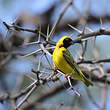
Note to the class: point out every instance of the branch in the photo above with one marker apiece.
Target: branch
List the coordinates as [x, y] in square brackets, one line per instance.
[92, 34]
[18, 28]
[69, 2]
[105, 60]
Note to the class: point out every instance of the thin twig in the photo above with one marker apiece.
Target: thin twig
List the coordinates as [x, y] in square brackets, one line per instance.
[92, 34]
[105, 60]
[26, 97]
[18, 28]
[69, 2]
[91, 99]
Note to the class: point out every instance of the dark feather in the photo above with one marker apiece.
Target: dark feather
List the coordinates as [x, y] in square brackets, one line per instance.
[71, 62]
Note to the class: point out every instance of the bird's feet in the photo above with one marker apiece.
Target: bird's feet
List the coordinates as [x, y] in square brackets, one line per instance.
[55, 70]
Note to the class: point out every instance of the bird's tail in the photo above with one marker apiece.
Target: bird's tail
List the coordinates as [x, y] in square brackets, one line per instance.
[86, 81]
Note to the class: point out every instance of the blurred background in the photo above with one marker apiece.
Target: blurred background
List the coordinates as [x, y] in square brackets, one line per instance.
[30, 14]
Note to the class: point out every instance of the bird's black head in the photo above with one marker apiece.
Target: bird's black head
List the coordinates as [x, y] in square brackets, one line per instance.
[67, 42]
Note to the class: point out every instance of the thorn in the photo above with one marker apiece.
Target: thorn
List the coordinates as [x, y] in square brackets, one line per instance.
[48, 29]
[75, 29]
[72, 88]
[101, 23]
[6, 25]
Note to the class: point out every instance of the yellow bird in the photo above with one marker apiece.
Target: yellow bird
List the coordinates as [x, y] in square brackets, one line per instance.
[64, 61]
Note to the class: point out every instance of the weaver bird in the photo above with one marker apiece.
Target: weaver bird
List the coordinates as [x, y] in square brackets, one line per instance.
[64, 61]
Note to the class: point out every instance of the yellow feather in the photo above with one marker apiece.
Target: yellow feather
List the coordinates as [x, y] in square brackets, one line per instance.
[64, 61]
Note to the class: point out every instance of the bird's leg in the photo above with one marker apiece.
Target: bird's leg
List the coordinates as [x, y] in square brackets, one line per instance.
[55, 70]
[69, 81]
[56, 73]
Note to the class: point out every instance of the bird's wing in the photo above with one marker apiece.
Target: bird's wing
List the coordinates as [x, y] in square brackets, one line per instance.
[78, 73]
[68, 57]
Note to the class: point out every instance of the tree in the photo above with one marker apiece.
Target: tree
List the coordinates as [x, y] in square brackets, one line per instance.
[42, 37]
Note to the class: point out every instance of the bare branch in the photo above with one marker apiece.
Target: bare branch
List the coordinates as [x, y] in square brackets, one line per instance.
[69, 2]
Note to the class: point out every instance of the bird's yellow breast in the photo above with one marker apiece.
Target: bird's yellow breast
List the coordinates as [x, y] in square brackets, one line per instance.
[60, 61]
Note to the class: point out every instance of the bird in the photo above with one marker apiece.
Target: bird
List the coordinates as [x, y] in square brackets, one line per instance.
[64, 61]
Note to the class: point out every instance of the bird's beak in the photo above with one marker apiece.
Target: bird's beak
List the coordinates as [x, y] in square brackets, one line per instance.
[71, 42]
